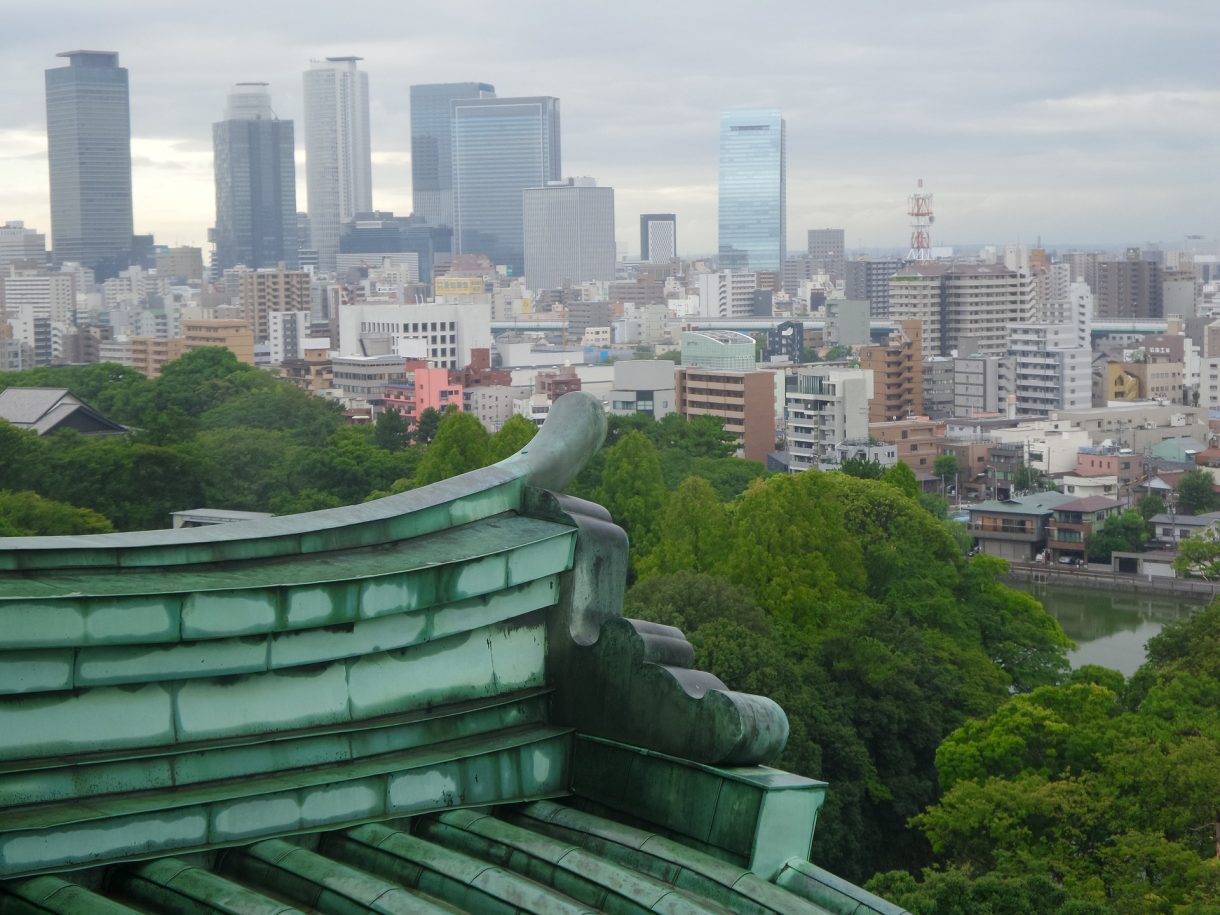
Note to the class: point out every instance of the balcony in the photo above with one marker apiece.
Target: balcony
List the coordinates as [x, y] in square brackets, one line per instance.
[1017, 532]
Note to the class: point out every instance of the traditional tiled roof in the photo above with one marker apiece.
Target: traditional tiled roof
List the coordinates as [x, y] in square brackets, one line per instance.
[301, 711]
[44, 410]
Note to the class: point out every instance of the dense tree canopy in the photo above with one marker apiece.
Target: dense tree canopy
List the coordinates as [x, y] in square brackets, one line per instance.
[1197, 492]
[1109, 789]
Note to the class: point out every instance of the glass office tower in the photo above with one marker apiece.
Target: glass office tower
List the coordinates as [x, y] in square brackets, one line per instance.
[753, 190]
[501, 146]
[89, 153]
[432, 147]
[256, 186]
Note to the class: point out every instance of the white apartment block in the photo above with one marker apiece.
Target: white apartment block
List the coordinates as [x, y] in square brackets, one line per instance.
[287, 332]
[964, 308]
[825, 406]
[40, 294]
[981, 384]
[1050, 371]
[727, 294]
[442, 334]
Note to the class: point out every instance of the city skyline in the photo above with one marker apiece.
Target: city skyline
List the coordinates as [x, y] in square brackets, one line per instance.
[1020, 131]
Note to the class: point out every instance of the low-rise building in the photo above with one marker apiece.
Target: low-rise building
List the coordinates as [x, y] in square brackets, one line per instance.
[919, 440]
[644, 386]
[1015, 528]
[744, 401]
[1072, 526]
[425, 388]
[149, 355]
[233, 335]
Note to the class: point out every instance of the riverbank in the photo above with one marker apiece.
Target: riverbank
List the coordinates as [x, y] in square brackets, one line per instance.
[1100, 576]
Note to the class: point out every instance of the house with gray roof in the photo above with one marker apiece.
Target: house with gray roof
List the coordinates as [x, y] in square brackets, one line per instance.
[47, 410]
[1015, 528]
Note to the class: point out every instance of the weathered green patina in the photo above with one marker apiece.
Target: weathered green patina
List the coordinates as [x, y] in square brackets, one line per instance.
[252, 710]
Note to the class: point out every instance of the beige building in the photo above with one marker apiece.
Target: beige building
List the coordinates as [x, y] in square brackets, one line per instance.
[235, 336]
[919, 440]
[261, 292]
[745, 401]
[183, 262]
[963, 307]
[149, 354]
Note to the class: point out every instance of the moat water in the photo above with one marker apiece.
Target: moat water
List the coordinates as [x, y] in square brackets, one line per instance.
[1111, 628]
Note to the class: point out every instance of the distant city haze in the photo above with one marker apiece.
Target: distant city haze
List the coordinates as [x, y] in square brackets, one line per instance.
[1088, 123]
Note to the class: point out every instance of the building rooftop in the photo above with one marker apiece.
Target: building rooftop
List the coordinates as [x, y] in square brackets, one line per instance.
[45, 410]
[1038, 503]
[1088, 504]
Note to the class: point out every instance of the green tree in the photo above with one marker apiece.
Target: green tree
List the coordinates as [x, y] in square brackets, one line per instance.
[1125, 532]
[392, 432]
[515, 434]
[633, 491]
[1199, 554]
[1027, 479]
[1197, 492]
[862, 469]
[791, 549]
[427, 425]
[902, 478]
[945, 465]
[461, 445]
[26, 514]
[1149, 506]
[694, 532]
[277, 407]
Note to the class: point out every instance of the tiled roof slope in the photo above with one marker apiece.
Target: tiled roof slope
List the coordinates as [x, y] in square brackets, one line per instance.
[167, 697]
[540, 857]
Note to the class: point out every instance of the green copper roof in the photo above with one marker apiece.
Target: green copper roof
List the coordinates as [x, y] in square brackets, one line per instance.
[300, 713]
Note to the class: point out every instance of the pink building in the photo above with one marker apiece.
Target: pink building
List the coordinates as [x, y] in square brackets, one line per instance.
[1108, 462]
[425, 387]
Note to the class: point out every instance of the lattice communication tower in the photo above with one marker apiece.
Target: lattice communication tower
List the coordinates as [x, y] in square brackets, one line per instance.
[919, 208]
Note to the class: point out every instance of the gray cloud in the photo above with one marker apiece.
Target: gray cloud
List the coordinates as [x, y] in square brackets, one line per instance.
[1082, 121]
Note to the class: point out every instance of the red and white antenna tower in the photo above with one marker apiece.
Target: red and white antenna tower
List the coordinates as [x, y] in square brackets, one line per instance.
[919, 208]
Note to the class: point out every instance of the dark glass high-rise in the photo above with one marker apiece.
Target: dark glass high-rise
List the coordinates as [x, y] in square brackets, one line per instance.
[501, 146]
[432, 147]
[256, 194]
[89, 155]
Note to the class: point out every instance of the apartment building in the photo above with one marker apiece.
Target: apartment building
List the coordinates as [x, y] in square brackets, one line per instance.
[825, 406]
[744, 401]
[897, 367]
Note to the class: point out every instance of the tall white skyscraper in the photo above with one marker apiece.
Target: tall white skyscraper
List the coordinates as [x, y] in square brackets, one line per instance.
[338, 156]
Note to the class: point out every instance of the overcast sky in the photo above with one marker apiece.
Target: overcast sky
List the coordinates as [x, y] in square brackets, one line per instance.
[1073, 120]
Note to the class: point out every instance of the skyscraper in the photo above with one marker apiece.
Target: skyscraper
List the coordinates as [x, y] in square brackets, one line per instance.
[658, 237]
[569, 233]
[89, 153]
[826, 251]
[753, 190]
[338, 157]
[256, 195]
[501, 146]
[432, 146]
